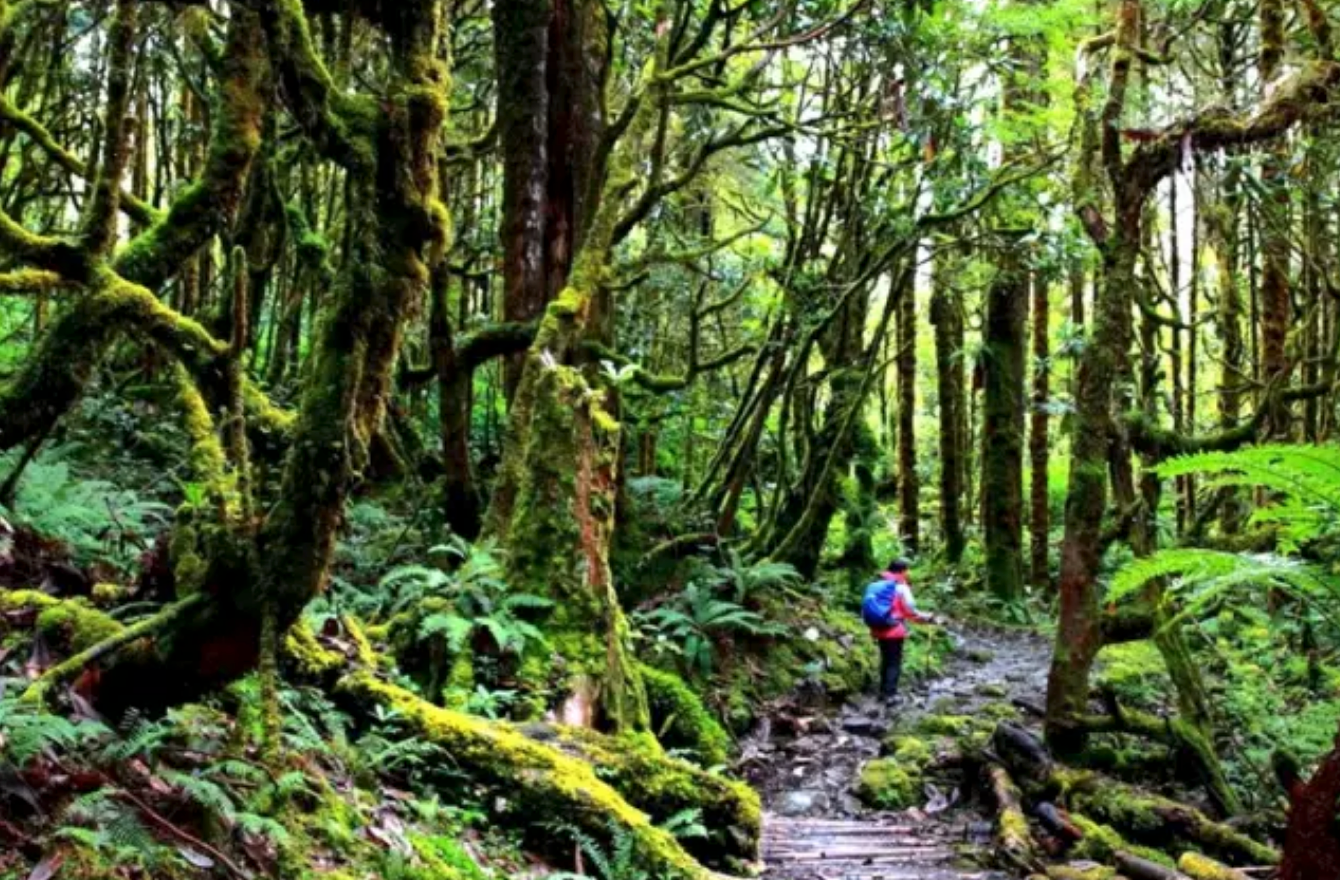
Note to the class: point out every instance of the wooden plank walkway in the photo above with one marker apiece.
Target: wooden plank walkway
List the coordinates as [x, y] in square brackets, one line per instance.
[877, 848]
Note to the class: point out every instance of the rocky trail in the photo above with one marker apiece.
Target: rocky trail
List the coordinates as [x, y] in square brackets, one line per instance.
[806, 767]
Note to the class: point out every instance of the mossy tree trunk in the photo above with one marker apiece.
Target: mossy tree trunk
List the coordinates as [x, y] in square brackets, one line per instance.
[1039, 438]
[1275, 232]
[909, 481]
[1003, 407]
[946, 315]
[550, 58]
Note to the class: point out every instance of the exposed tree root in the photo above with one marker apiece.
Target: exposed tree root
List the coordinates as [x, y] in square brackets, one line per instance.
[538, 783]
[74, 665]
[1014, 840]
[1121, 809]
[1199, 867]
[637, 768]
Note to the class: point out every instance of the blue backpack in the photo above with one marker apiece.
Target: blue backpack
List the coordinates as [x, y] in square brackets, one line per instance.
[877, 606]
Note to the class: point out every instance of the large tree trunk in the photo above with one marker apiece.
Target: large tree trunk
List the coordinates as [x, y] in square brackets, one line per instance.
[522, 56]
[1003, 428]
[1102, 365]
[343, 401]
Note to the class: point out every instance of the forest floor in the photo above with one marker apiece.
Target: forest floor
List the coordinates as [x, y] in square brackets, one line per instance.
[806, 767]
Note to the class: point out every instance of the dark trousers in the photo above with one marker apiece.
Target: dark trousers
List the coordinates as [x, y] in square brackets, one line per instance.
[890, 666]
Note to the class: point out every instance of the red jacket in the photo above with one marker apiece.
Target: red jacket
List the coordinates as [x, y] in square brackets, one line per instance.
[904, 608]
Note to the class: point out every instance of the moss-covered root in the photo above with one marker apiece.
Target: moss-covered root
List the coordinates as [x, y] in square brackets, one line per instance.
[1084, 871]
[539, 783]
[1014, 839]
[680, 719]
[1159, 821]
[1199, 867]
[120, 639]
[637, 767]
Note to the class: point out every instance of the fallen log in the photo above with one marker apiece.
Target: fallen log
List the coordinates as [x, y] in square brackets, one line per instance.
[1145, 818]
[534, 784]
[1014, 840]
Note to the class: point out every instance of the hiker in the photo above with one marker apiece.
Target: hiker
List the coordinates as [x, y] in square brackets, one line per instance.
[887, 608]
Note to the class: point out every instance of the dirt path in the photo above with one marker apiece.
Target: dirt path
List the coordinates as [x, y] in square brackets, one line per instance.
[805, 767]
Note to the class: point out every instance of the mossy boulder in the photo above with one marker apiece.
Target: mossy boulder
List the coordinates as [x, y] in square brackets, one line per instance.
[70, 624]
[886, 784]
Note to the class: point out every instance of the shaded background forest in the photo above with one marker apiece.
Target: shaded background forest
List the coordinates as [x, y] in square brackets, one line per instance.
[583, 361]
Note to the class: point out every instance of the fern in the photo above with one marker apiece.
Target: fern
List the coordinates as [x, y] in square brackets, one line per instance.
[264, 826]
[1309, 477]
[26, 731]
[209, 795]
[1307, 481]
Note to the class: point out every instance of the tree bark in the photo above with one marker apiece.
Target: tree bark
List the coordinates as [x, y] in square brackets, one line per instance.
[1003, 343]
[1039, 439]
[909, 486]
[946, 315]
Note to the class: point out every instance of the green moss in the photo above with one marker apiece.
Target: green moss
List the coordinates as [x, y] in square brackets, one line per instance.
[26, 600]
[76, 624]
[993, 689]
[680, 719]
[539, 783]
[106, 595]
[1101, 842]
[945, 725]
[910, 751]
[1135, 672]
[1202, 867]
[663, 786]
[886, 784]
[302, 653]
[1081, 872]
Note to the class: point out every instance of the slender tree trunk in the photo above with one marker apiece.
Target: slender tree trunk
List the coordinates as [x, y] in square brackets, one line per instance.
[1220, 228]
[946, 314]
[1038, 439]
[909, 486]
[1276, 307]
[1102, 365]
